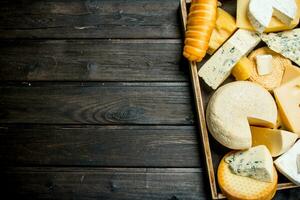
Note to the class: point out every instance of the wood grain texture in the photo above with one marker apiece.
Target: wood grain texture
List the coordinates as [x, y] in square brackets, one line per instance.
[92, 60]
[147, 146]
[89, 19]
[111, 183]
[96, 103]
[105, 183]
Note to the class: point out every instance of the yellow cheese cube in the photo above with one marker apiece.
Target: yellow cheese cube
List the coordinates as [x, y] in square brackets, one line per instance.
[275, 25]
[242, 70]
[288, 100]
[225, 26]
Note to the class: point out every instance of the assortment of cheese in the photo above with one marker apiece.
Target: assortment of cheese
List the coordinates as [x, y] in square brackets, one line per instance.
[258, 114]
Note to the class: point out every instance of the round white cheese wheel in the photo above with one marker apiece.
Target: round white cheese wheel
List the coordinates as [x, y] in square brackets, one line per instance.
[236, 105]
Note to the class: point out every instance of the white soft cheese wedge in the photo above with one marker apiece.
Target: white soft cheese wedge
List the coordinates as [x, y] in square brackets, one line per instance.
[255, 163]
[233, 106]
[285, 10]
[219, 66]
[287, 164]
[277, 141]
[286, 43]
[260, 14]
[264, 64]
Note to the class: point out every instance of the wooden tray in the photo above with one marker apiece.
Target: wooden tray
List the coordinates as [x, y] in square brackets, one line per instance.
[213, 150]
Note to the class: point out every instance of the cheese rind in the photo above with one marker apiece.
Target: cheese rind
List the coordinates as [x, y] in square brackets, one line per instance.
[256, 163]
[244, 188]
[277, 141]
[287, 98]
[286, 43]
[264, 64]
[260, 14]
[287, 164]
[219, 66]
[285, 10]
[275, 25]
[233, 106]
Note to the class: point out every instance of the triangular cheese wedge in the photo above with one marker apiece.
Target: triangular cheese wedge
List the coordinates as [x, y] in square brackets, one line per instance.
[291, 72]
[285, 10]
[277, 141]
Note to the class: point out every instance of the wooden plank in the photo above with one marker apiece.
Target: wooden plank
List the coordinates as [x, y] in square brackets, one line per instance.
[147, 146]
[107, 183]
[111, 183]
[92, 60]
[96, 103]
[89, 19]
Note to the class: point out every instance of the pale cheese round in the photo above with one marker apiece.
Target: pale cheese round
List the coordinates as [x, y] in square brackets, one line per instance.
[236, 187]
[235, 105]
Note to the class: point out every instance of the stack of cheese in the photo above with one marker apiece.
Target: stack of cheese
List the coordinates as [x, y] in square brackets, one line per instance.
[258, 116]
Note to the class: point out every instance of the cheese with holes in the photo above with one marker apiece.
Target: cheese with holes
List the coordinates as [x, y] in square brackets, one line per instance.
[277, 141]
[233, 106]
[288, 100]
[285, 10]
[219, 66]
[275, 25]
[286, 43]
[236, 187]
[260, 14]
[256, 163]
[264, 64]
[287, 164]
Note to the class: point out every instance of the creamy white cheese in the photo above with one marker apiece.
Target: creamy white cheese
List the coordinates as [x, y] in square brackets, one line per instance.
[260, 14]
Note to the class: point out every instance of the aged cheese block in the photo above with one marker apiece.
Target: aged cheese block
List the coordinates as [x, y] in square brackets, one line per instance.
[288, 97]
[237, 187]
[256, 163]
[219, 66]
[277, 141]
[286, 43]
[291, 72]
[233, 106]
[287, 164]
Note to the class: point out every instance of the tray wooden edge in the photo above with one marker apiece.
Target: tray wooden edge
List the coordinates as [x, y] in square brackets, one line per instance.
[202, 121]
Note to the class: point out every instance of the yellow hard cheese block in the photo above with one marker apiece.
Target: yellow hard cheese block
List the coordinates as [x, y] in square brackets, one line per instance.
[277, 141]
[291, 72]
[288, 100]
[225, 26]
[275, 25]
[244, 188]
[242, 70]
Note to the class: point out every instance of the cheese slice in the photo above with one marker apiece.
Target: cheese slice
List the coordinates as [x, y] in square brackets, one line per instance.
[219, 66]
[288, 100]
[244, 188]
[264, 64]
[277, 141]
[275, 25]
[287, 164]
[233, 106]
[255, 162]
[285, 10]
[291, 72]
[260, 14]
[286, 43]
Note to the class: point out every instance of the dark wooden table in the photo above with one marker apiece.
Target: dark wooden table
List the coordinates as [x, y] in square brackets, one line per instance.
[96, 103]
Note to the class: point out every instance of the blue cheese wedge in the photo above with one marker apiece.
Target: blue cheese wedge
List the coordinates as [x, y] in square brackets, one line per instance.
[286, 43]
[255, 163]
[285, 10]
[287, 164]
[260, 14]
[219, 66]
